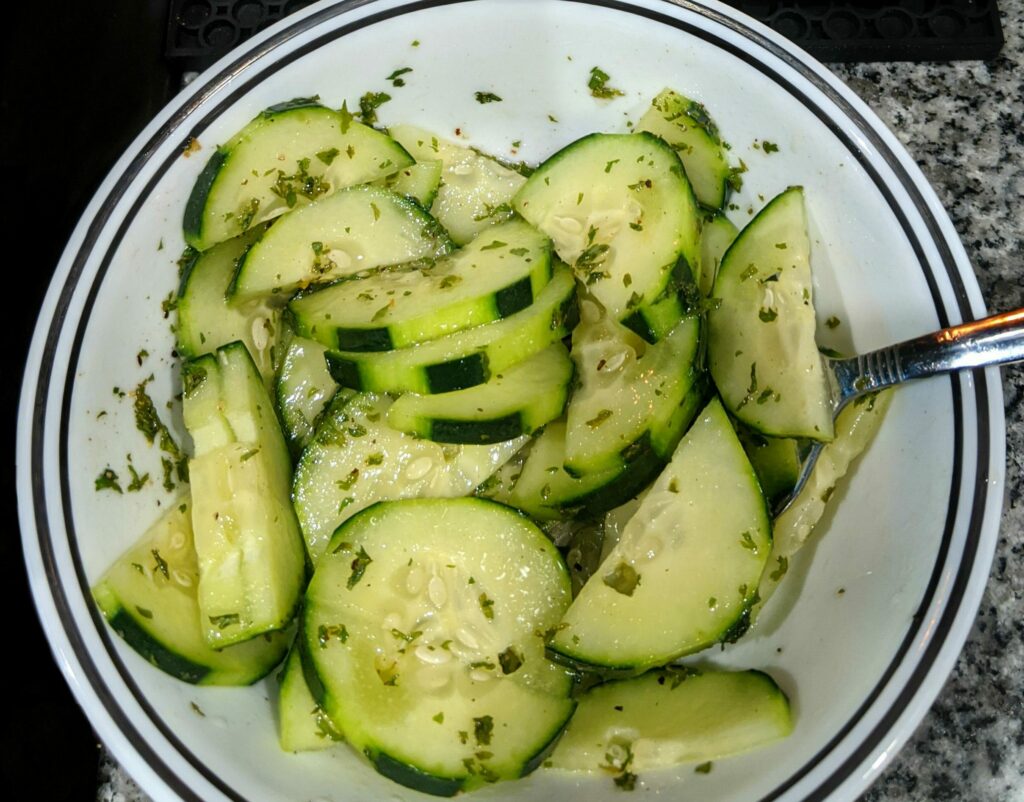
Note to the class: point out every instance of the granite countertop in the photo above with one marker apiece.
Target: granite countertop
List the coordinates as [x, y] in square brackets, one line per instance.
[964, 124]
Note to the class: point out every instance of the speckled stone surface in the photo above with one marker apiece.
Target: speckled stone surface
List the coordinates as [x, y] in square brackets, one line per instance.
[964, 124]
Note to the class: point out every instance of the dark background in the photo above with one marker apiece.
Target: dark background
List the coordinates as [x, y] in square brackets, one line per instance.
[78, 81]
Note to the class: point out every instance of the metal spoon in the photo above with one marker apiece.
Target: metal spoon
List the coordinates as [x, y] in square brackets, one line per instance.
[993, 340]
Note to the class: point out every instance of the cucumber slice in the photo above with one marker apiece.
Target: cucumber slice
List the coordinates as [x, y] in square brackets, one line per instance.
[516, 402]
[251, 563]
[356, 459]
[304, 389]
[148, 597]
[775, 460]
[761, 347]
[206, 321]
[855, 427]
[421, 626]
[672, 716]
[544, 489]
[358, 229]
[419, 182]
[629, 391]
[475, 189]
[288, 155]
[493, 277]
[303, 726]
[469, 357]
[620, 211]
[685, 571]
[716, 235]
[688, 128]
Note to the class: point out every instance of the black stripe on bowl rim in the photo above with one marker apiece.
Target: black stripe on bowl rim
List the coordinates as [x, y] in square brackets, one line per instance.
[174, 128]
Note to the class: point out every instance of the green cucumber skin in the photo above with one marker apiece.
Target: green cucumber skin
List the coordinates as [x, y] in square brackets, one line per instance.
[397, 770]
[504, 303]
[523, 417]
[459, 373]
[412, 777]
[635, 476]
[196, 204]
[168, 661]
[731, 632]
[496, 430]
[679, 298]
[362, 340]
[514, 298]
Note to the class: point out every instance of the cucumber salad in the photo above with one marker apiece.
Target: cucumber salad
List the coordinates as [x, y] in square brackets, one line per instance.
[479, 451]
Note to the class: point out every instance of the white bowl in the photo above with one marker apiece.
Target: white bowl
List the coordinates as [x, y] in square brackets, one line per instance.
[912, 534]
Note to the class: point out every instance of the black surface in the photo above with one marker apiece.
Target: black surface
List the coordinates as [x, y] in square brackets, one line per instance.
[201, 31]
[884, 30]
[77, 83]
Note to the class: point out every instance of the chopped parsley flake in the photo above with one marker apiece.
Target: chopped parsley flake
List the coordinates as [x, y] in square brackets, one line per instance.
[327, 156]
[396, 77]
[359, 564]
[348, 481]
[108, 481]
[598, 85]
[486, 97]
[483, 728]
[622, 579]
[767, 315]
[160, 564]
[735, 177]
[325, 632]
[769, 147]
[346, 118]
[626, 781]
[703, 768]
[599, 418]
[368, 105]
[510, 660]
[487, 606]
[832, 322]
[138, 482]
[780, 572]
[224, 621]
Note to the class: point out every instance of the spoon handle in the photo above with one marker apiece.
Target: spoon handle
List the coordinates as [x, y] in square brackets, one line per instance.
[993, 340]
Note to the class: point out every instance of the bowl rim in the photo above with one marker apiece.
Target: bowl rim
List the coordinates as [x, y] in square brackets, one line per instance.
[950, 601]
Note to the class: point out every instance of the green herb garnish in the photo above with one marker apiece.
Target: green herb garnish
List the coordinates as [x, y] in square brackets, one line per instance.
[598, 85]
[108, 481]
[368, 105]
[622, 579]
[510, 660]
[483, 729]
[395, 77]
